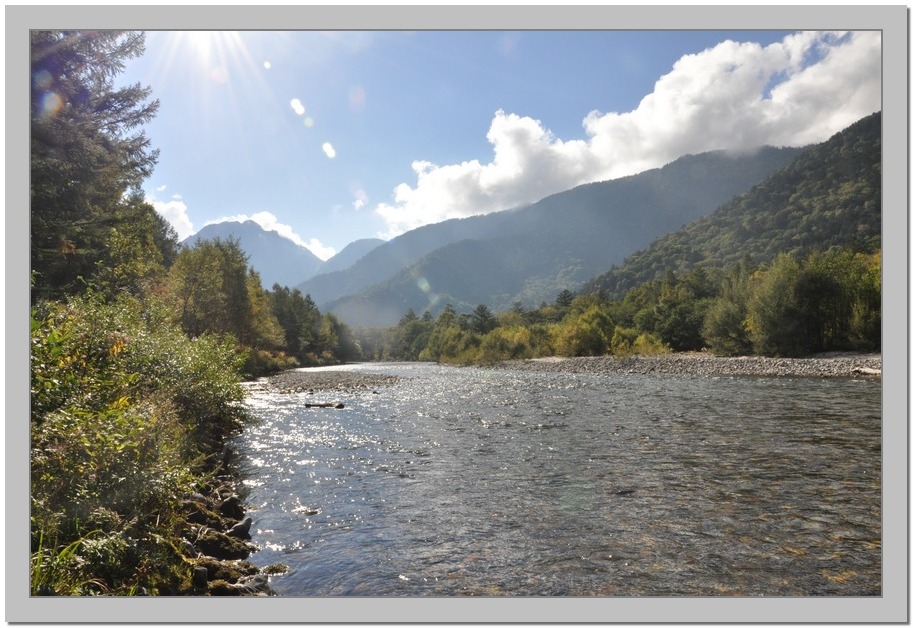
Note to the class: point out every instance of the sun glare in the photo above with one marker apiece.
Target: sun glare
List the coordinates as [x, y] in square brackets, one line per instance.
[210, 48]
[201, 42]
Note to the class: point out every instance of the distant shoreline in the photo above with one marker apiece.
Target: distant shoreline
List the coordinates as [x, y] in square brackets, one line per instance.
[846, 365]
[831, 365]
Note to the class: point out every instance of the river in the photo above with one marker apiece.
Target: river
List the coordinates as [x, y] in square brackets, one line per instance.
[466, 481]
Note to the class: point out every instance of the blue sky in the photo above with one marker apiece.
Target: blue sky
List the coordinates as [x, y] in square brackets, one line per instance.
[329, 137]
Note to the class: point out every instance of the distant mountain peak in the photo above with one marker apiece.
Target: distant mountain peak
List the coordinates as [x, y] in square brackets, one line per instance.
[278, 259]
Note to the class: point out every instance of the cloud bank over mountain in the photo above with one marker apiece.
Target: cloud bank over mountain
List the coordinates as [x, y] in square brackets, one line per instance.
[270, 222]
[733, 96]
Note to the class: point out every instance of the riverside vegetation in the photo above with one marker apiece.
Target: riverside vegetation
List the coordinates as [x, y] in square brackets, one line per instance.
[140, 347]
[791, 307]
[138, 350]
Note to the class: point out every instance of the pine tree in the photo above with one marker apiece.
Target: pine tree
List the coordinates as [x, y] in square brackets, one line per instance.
[88, 152]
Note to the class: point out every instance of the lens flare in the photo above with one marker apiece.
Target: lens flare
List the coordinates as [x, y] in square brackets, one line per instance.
[43, 79]
[219, 75]
[357, 98]
[423, 285]
[51, 104]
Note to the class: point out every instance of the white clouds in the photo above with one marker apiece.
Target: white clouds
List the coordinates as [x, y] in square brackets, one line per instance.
[328, 150]
[175, 212]
[270, 222]
[736, 95]
[317, 248]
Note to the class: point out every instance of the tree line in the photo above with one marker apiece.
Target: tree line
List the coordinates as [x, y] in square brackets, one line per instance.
[827, 301]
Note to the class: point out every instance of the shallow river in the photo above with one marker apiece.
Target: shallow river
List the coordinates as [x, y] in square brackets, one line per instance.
[464, 481]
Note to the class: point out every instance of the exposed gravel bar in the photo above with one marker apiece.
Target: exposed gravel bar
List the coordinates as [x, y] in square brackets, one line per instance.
[852, 365]
[308, 381]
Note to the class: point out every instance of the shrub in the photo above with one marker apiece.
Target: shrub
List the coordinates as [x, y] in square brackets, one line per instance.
[125, 411]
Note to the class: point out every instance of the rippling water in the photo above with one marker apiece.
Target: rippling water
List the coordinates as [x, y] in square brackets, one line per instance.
[463, 481]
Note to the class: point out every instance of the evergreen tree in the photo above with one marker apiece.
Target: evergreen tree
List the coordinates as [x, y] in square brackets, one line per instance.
[87, 152]
[482, 320]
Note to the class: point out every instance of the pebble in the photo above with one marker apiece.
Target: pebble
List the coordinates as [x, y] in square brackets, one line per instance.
[306, 381]
[851, 365]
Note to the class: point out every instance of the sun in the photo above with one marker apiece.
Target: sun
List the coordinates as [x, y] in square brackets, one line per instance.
[208, 46]
[200, 42]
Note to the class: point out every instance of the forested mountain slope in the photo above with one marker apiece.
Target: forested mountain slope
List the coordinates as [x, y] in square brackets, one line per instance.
[532, 253]
[829, 196]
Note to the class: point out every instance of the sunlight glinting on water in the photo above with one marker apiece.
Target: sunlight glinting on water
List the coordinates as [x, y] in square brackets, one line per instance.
[473, 482]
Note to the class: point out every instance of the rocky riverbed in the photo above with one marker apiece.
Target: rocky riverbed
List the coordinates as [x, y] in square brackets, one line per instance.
[309, 381]
[852, 365]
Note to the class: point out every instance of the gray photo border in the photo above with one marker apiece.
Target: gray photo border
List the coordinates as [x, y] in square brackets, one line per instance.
[891, 607]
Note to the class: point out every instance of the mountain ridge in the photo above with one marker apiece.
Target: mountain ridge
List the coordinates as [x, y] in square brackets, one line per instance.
[829, 196]
[276, 259]
[532, 253]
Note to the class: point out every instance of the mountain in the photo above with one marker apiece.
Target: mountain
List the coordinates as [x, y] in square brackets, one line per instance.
[352, 252]
[829, 196]
[276, 258]
[532, 253]
[389, 258]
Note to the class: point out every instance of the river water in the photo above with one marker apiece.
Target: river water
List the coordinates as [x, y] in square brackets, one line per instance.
[464, 481]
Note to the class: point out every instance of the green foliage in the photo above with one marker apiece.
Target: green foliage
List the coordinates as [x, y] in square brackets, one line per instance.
[126, 410]
[482, 320]
[505, 343]
[299, 319]
[336, 340]
[211, 290]
[623, 339]
[208, 290]
[648, 344]
[829, 301]
[724, 328]
[87, 154]
[409, 337]
[586, 330]
[451, 340]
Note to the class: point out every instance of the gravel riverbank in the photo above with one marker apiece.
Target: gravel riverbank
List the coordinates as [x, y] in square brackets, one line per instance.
[852, 365]
[849, 365]
[310, 381]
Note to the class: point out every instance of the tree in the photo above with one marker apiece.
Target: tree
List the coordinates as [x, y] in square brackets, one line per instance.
[266, 332]
[482, 320]
[773, 315]
[300, 321]
[564, 299]
[138, 251]
[584, 331]
[336, 340]
[87, 152]
[208, 290]
[724, 329]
